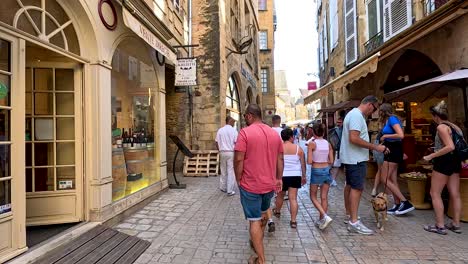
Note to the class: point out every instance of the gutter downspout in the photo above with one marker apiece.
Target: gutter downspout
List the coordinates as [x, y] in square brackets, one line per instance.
[189, 90]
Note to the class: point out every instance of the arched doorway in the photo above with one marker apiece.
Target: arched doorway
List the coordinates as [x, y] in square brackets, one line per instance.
[412, 67]
[232, 99]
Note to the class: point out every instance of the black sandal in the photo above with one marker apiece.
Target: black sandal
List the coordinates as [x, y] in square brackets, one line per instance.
[436, 229]
[293, 224]
[453, 228]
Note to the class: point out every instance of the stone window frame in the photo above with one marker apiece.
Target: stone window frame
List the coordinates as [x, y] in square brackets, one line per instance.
[263, 39]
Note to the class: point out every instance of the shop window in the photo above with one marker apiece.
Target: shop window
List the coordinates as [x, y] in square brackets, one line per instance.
[134, 119]
[232, 100]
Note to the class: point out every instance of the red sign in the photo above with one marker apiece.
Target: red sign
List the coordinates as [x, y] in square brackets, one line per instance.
[312, 86]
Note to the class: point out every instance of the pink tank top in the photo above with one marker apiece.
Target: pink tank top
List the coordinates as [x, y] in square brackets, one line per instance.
[320, 153]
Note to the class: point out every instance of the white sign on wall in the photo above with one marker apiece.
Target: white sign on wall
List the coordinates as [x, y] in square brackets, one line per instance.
[186, 72]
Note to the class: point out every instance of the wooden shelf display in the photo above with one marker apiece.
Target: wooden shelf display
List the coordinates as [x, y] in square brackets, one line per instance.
[203, 164]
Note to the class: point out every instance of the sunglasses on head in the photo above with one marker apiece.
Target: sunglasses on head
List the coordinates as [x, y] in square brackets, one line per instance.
[374, 107]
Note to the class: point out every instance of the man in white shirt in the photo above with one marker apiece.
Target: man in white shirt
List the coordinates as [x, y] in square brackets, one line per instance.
[354, 154]
[225, 142]
[276, 124]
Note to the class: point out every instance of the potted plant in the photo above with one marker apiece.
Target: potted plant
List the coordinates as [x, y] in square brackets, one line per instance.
[417, 188]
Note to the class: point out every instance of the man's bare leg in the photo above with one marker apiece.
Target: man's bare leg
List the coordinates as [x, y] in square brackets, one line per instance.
[256, 235]
[347, 190]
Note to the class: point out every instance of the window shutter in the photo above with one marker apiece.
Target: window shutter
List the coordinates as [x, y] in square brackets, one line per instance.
[397, 17]
[333, 18]
[325, 38]
[350, 31]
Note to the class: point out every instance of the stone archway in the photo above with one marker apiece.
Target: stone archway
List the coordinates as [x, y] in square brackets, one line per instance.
[410, 68]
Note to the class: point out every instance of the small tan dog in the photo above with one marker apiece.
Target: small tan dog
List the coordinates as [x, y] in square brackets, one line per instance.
[379, 203]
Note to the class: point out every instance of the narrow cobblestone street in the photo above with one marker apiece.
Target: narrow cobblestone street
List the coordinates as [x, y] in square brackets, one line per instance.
[203, 225]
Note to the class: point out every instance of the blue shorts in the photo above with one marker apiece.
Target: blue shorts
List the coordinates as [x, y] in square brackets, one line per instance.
[356, 175]
[319, 176]
[255, 204]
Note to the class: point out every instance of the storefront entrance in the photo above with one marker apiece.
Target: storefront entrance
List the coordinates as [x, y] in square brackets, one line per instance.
[53, 134]
[41, 156]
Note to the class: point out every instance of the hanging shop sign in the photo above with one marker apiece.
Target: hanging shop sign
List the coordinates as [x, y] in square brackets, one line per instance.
[312, 86]
[186, 72]
[141, 30]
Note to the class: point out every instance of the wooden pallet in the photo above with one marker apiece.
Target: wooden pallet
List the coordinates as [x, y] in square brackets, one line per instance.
[204, 163]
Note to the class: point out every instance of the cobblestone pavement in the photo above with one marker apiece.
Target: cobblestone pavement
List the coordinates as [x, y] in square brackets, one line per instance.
[203, 225]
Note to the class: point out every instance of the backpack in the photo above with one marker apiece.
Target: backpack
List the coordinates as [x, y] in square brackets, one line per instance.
[461, 147]
[334, 139]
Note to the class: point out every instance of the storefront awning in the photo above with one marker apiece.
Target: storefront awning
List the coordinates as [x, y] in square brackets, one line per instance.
[434, 87]
[340, 106]
[354, 74]
[143, 32]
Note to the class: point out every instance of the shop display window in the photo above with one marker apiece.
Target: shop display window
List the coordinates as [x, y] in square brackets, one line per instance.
[134, 119]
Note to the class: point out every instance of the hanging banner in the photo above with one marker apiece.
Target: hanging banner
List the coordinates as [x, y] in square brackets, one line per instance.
[141, 30]
[312, 86]
[186, 72]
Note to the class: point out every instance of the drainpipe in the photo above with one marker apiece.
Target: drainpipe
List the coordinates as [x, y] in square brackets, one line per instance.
[189, 90]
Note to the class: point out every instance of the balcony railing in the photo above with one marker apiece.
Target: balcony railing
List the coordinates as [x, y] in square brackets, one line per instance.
[431, 5]
[374, 43]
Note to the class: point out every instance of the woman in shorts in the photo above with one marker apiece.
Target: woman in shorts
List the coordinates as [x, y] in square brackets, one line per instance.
[392, 136]
[293, 175]
[446, 171]
[320, 156]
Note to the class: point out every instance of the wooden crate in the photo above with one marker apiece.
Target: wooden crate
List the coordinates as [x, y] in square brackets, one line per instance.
[204, 163]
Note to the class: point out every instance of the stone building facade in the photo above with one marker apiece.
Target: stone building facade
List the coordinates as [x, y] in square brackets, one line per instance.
[389, 45]
[267, 18]
[226, 33]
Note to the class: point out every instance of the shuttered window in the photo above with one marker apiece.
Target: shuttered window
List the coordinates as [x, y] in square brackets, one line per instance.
[333, 27]
[350, 31]
[373, 18]
[397, 17]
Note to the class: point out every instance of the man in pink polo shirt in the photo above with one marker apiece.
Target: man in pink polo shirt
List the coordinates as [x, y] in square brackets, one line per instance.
[258, 165]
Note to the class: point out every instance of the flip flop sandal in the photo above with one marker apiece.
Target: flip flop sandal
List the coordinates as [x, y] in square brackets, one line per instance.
[293, 224]
[436, 229]
[253, 260]
[453, 228]
[276, 213]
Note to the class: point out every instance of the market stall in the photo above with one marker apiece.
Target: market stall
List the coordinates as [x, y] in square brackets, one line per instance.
[413, 102]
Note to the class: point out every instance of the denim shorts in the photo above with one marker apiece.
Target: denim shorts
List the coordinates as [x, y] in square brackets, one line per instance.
[255, 204]
[319, 176]
[356, 175]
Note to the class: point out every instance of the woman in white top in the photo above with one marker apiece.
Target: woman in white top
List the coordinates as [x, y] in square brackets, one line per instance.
[320, 156]
[293, 175]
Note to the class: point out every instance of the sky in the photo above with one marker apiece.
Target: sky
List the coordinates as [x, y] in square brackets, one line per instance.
[296, 42]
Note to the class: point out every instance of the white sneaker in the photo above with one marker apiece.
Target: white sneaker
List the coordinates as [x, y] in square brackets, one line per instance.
[333, 184]
[231, 193]
[359, 228]
[325, 222]
[374, 192]
[348, 218]
[319, 222]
